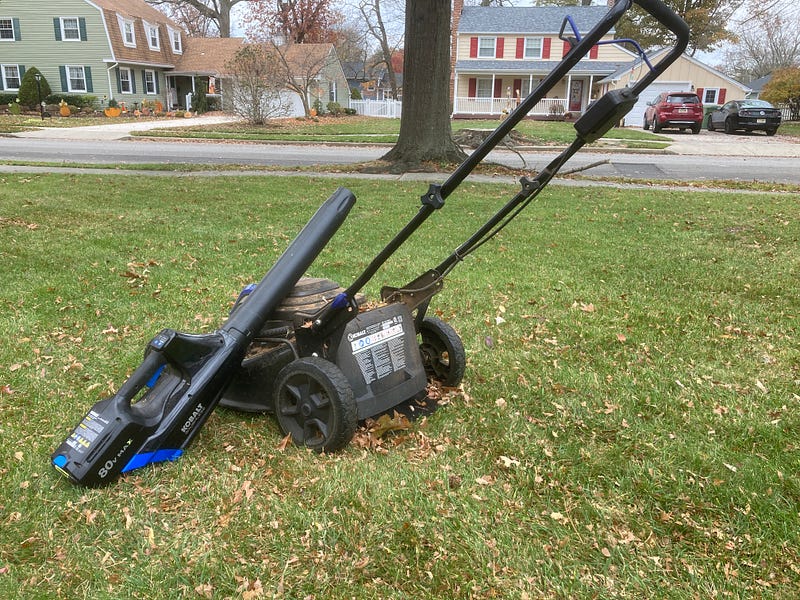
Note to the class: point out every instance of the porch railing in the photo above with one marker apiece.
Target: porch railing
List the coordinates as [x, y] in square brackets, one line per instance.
[495, 106]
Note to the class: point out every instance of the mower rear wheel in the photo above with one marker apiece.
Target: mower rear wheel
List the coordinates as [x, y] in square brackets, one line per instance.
[314, 403]
[442, 352]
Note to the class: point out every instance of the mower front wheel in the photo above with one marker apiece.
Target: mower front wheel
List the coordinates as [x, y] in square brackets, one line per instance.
[442, 352]
[314, 403]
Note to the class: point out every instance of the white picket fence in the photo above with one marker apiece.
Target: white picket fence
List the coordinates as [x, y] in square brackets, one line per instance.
[390, 109]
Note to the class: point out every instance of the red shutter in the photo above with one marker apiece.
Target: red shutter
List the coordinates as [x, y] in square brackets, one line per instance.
[546, 48]
[721, 98]
[473, 47]
[566, 49]
[700, 94]
[498, 88]
[500, 47]
[520, 47]
[517, 87]
[473, 87]
[593, 52]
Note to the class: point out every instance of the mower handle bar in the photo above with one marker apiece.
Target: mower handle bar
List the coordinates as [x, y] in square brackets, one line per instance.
[435, 196]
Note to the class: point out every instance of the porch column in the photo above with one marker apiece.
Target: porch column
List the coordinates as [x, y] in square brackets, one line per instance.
[491, 106]
[569, 91]
[591, 84]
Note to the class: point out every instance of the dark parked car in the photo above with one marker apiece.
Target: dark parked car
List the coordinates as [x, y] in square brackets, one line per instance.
[676, 110]
[750, 115]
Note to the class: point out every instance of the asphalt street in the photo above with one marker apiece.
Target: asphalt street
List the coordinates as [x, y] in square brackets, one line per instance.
[700, 157]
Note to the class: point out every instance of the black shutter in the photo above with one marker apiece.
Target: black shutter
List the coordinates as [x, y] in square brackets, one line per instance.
[82, 26]
[57, 28]
[133, 81]
[17, 32]
[119, 81]
[87, 73]
[62, 70]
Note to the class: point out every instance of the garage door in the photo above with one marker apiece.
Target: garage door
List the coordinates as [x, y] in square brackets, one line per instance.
[636, 116]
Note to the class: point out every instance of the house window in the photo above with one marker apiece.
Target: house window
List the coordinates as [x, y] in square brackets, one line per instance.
[153, 39]
[486, 47]
[125, 81]
[11, 77]
[7, 29]
[76, 79]
[149, 82]
[485, 88]
[128, 33]
[710, 96]
[175, 40]
[70, 30]
[533, 47]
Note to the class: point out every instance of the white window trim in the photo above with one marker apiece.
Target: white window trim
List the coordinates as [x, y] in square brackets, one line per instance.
[177, 48]
[541, 48]
[64, 37]
[478, 87]
[494, 46]
[147, 91]
[5, 81]
[122, 23]
[13, 37]
[130, 80]
[69, 79]
[148, 29]
[716, 95]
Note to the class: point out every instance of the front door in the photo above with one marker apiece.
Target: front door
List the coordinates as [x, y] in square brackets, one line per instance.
[575, 95]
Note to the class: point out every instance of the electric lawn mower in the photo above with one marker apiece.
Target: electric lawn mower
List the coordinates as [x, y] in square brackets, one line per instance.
[311, 351]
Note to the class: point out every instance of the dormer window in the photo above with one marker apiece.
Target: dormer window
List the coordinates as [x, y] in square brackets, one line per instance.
[127, 30]
[153, 38]
[175, 40]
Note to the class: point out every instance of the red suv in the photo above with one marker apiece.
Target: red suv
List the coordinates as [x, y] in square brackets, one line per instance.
[676, 110]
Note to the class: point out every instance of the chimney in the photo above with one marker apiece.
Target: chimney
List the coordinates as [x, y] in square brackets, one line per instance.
[455, 17]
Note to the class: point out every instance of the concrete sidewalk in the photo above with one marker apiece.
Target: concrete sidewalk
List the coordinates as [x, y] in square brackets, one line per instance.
[119, 131]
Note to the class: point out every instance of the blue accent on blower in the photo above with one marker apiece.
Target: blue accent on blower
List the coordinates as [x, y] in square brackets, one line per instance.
[141, 460]
[60, 461]
[155, 376]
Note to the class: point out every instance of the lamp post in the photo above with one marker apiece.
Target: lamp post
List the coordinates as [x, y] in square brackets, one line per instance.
[38, 77]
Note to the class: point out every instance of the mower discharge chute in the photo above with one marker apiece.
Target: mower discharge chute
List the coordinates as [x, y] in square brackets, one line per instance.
[310, 351]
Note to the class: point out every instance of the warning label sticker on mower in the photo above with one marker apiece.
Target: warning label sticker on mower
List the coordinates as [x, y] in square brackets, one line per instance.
[87, 431]
[379, 348]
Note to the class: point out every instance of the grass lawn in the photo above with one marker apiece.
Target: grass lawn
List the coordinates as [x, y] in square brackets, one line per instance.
[376, 130]
[627, 425]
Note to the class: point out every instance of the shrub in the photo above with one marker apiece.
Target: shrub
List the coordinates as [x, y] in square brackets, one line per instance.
[318, 107]
[28, 92]
[355, 94]
[14, 108]
[334, 108]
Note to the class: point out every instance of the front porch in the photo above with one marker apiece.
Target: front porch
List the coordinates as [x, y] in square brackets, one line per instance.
[480, 95]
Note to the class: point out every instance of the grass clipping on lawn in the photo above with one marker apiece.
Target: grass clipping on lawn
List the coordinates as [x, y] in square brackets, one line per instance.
[627, 423]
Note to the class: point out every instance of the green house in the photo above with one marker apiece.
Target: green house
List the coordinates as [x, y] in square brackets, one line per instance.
[112, 49]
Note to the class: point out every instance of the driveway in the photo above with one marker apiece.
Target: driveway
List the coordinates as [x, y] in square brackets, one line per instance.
[716, 143]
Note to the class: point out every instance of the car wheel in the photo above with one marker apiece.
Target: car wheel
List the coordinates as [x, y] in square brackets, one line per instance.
[709, 124]
[645, 125]
[729, 128]
[656, 125]
[771, 132]
[696, 128]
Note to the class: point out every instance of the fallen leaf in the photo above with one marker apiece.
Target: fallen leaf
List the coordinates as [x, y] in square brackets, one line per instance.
[605, 552]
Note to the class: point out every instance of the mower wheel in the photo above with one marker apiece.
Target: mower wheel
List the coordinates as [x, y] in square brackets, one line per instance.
[314, 403]
[442, 352]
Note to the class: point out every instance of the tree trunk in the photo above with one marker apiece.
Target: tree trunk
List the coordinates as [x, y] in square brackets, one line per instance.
[425, 133]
